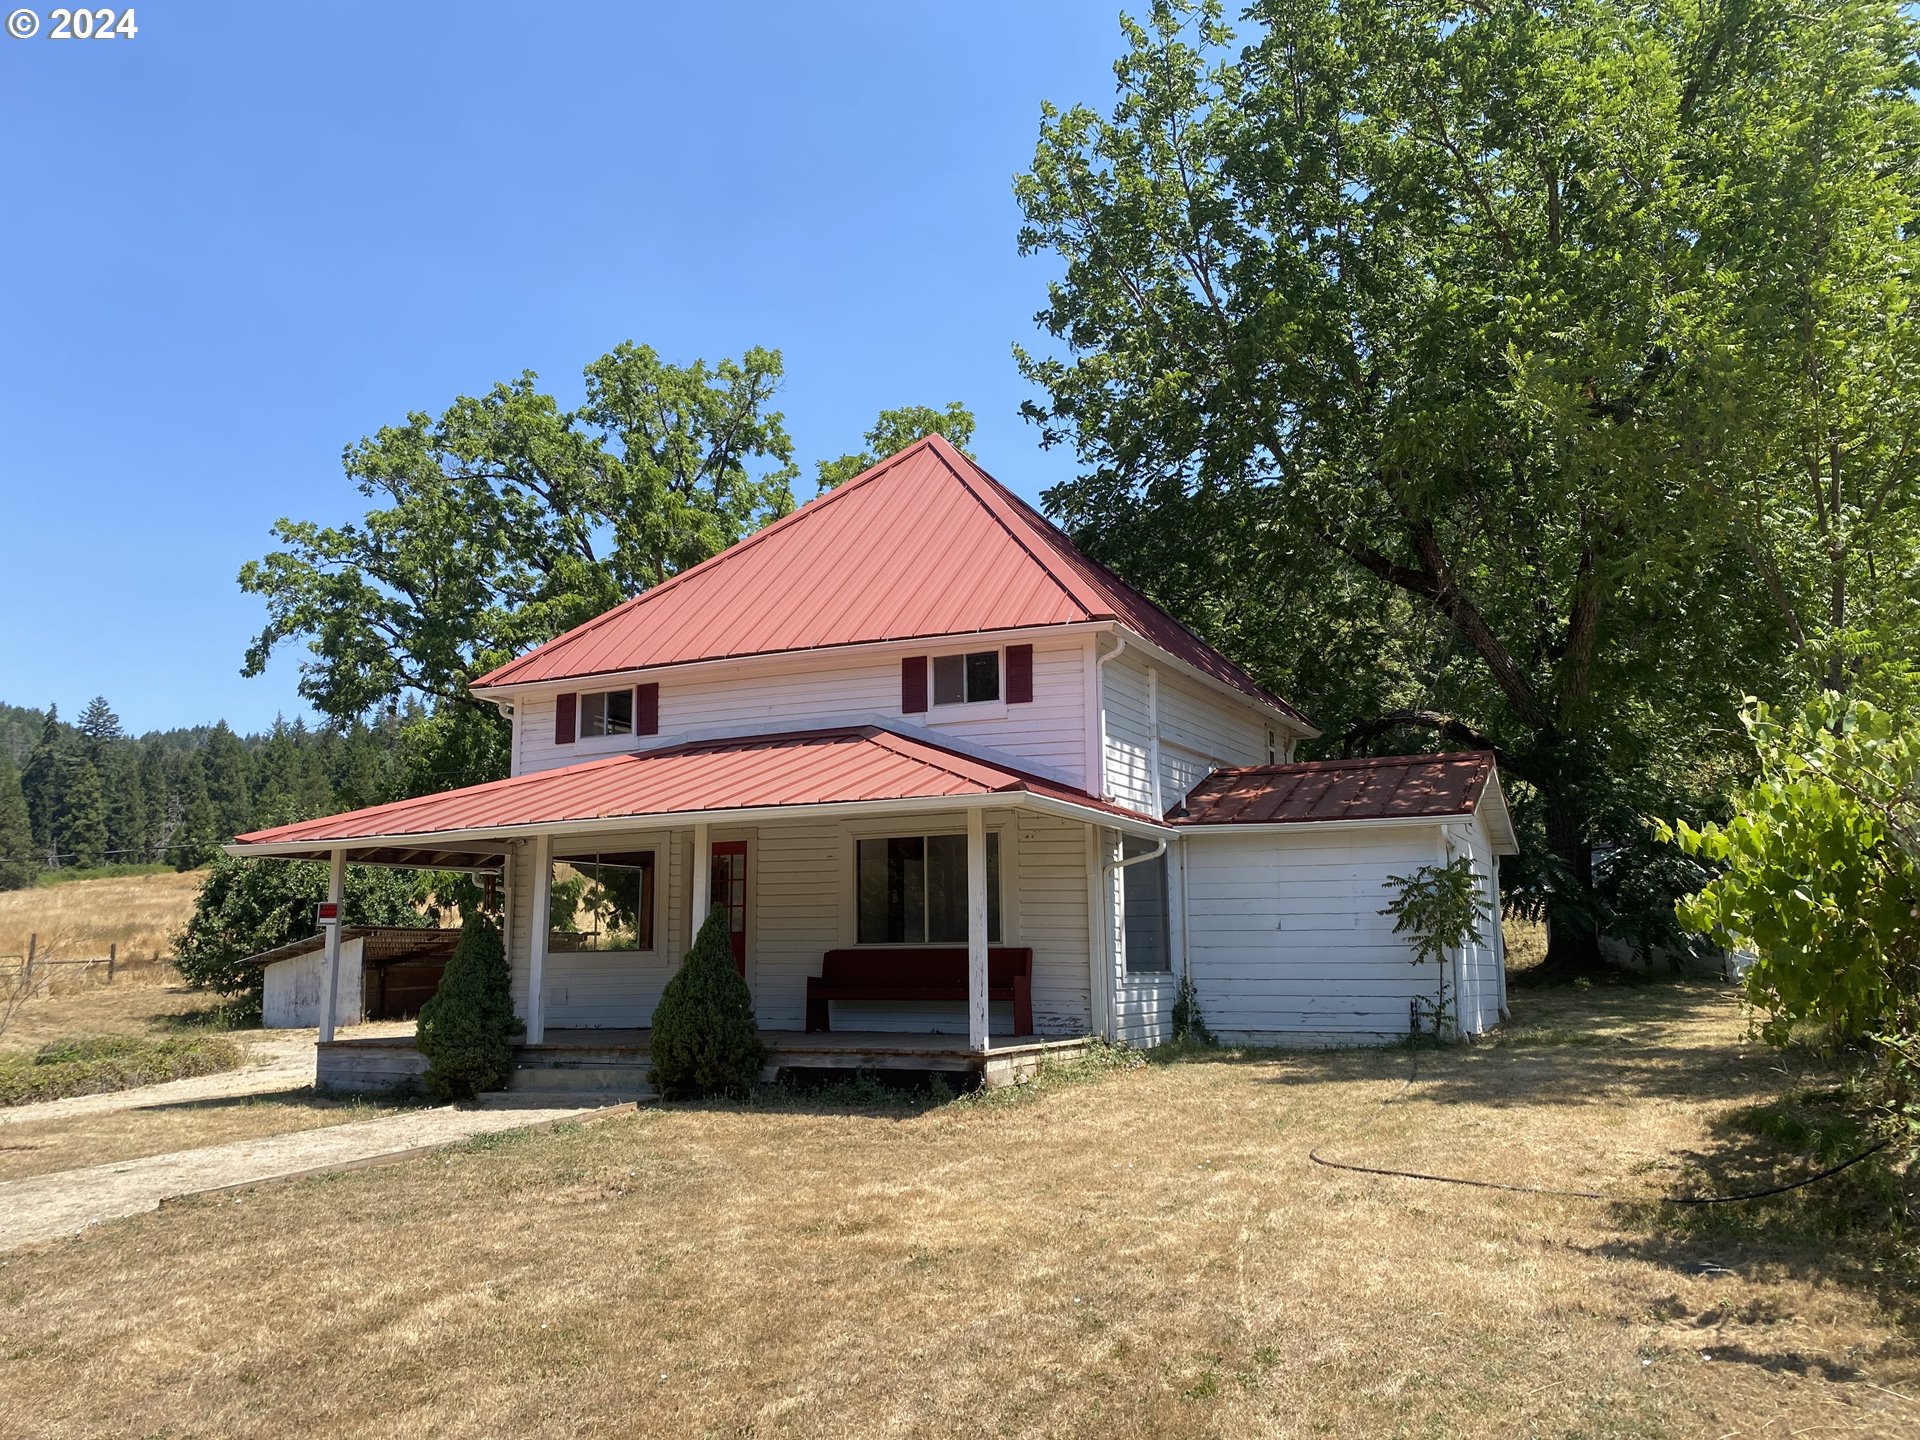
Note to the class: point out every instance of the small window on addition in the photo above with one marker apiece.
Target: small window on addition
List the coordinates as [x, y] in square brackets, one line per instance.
[966, 679]
[606, 712]
[1144, 912]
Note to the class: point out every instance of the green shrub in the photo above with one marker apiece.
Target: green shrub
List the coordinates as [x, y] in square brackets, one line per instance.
[95, 1065]
[704, 1039]
[466, 1028]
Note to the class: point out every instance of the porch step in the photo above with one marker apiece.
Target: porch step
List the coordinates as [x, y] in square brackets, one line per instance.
[627, 1081]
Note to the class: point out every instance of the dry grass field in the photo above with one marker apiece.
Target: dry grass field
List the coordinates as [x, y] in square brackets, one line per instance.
[81, 918]
[1149, 1253]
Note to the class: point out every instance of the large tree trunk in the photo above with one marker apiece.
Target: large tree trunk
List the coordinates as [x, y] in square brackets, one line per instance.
[1573, 937]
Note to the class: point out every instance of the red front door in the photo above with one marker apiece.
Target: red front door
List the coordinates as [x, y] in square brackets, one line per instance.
[730, 890]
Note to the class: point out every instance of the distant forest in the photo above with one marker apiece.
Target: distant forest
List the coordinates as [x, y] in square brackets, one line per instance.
[84, 793]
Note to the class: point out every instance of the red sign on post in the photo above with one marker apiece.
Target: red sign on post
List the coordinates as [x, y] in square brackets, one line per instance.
[327, 912]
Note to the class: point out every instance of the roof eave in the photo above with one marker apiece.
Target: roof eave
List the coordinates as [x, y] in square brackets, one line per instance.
[654, 820]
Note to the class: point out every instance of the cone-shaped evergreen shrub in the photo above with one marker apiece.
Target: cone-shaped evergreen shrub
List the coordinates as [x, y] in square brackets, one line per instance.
[704, 1039]
[465, 1027]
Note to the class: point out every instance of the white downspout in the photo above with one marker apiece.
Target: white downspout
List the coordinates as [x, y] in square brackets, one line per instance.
[1153, 743]
[1100, 687]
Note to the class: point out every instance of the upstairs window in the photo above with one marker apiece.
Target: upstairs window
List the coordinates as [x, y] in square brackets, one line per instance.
[966, 679]
[913, 890]
[606, 712]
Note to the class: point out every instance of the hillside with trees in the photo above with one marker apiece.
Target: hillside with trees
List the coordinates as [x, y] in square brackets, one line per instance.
[84, 794]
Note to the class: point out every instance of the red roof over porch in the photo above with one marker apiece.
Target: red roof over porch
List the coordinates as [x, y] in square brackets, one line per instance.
[859, 765]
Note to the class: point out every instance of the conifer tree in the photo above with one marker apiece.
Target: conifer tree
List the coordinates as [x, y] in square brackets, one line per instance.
[80, 826]
[191, 844]
[465, 1030]
[225, 767]
[704, 1039]
[41, 783]
[18, 862]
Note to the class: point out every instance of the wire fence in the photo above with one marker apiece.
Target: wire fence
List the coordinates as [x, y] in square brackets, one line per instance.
[36, 975]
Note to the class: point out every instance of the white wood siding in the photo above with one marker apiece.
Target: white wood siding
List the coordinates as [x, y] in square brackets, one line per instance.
[1286, 945]
[842, 686]
[1199, 731]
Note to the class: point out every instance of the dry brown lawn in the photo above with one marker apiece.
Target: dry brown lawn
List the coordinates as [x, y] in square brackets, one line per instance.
[131, 1008]
[81, 918]
[40, 1147]
[1147, 1254]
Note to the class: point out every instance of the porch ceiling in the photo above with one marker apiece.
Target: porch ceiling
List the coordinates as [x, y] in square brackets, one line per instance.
[848, 769]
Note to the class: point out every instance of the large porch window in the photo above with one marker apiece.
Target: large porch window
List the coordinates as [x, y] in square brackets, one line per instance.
[603, 902]
[913, 890]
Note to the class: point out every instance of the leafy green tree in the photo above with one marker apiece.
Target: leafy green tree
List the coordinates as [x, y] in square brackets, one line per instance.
[1461, 312]
[80, 823]
[247, 906]
[893, 432]
[466, 1028]
[507, 519]
[1818, 871]
[18, 861]
[704, 1040]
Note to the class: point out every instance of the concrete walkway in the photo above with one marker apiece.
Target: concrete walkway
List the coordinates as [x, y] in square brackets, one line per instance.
[47, 1207]
[277, 1060]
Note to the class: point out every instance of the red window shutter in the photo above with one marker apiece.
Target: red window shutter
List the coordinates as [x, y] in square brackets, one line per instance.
[564, 709]
[646, 709]
[913, 685]
[1019, 674]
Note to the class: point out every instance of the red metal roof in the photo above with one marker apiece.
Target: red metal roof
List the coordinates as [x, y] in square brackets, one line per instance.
[817, 767]
[924, 544]
[1387, 787]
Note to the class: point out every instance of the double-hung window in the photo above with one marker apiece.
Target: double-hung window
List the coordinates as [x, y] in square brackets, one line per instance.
[966, 679]
[606, 712]
[913, 890]
[1143, 894]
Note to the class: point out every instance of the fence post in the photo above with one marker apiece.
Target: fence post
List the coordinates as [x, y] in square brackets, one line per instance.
[26, 977]
[113, 954]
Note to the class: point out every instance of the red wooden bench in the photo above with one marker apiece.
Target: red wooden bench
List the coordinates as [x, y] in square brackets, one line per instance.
[920, 972]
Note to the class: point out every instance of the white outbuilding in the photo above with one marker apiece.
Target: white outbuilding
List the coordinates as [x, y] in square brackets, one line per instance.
[1288, 869]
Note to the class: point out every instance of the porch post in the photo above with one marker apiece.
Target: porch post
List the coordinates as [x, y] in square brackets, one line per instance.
[536, 1016]
[702, 882]
[336, 892]
[977, 931]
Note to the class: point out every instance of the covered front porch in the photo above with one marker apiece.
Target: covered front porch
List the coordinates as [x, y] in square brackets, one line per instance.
[928, 911]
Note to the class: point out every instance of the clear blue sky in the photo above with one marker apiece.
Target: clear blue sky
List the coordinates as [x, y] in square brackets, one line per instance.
[253, 233]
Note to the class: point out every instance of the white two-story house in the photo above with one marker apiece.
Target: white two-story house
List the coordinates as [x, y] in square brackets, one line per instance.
[948, 777]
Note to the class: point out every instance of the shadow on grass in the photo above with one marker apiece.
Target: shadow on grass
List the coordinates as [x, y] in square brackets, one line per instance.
[303, 1097]
[218, 1016]
[1855, 1228]
[1564, 1046]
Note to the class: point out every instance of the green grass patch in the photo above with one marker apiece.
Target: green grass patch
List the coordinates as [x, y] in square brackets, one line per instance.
[93, 1065]
[72, 873]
